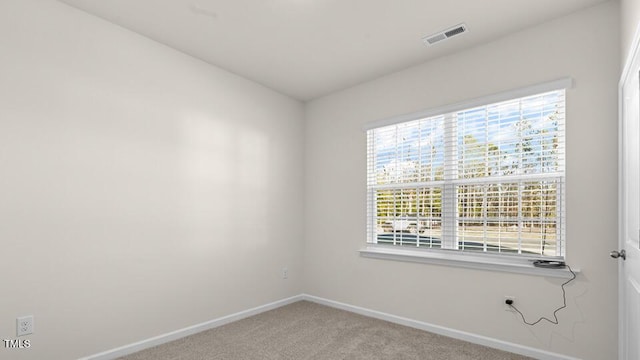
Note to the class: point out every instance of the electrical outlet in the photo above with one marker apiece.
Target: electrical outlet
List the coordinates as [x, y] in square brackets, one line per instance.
[285, 273]
[24, 325]
[506, 306]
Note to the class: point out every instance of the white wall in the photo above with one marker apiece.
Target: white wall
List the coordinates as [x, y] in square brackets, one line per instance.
[629, 22]
[141, 190]
[584, 46]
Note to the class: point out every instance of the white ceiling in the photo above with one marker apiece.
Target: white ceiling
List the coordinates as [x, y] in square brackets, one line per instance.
[309, 48]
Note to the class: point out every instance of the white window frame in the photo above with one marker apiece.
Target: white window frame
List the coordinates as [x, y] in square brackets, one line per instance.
[487, 261]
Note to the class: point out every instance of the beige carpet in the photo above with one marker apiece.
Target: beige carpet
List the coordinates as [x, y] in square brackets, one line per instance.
[305, 331]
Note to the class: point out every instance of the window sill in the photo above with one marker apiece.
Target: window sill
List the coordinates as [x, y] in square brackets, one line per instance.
[466, 260]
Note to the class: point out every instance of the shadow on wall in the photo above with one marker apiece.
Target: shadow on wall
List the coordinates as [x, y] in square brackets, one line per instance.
[227, 180]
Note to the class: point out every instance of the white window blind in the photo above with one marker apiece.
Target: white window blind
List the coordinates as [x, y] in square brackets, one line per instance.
[488, 178]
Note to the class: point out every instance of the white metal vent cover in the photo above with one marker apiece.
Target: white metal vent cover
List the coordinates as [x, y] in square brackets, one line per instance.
[445, 34]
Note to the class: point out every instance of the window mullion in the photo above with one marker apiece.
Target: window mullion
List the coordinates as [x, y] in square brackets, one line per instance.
[520, 222]
[449, 192]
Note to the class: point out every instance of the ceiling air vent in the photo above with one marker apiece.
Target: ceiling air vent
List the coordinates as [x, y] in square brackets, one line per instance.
[445, 34]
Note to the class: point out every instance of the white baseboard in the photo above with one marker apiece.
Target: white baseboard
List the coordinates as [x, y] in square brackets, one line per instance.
[452, 333]
[174, 335]
[436, 329]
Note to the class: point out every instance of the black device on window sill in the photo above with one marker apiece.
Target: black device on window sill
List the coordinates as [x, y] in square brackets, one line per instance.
[549, 264]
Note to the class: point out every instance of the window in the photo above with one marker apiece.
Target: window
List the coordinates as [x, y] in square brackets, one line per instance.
[486, 178]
